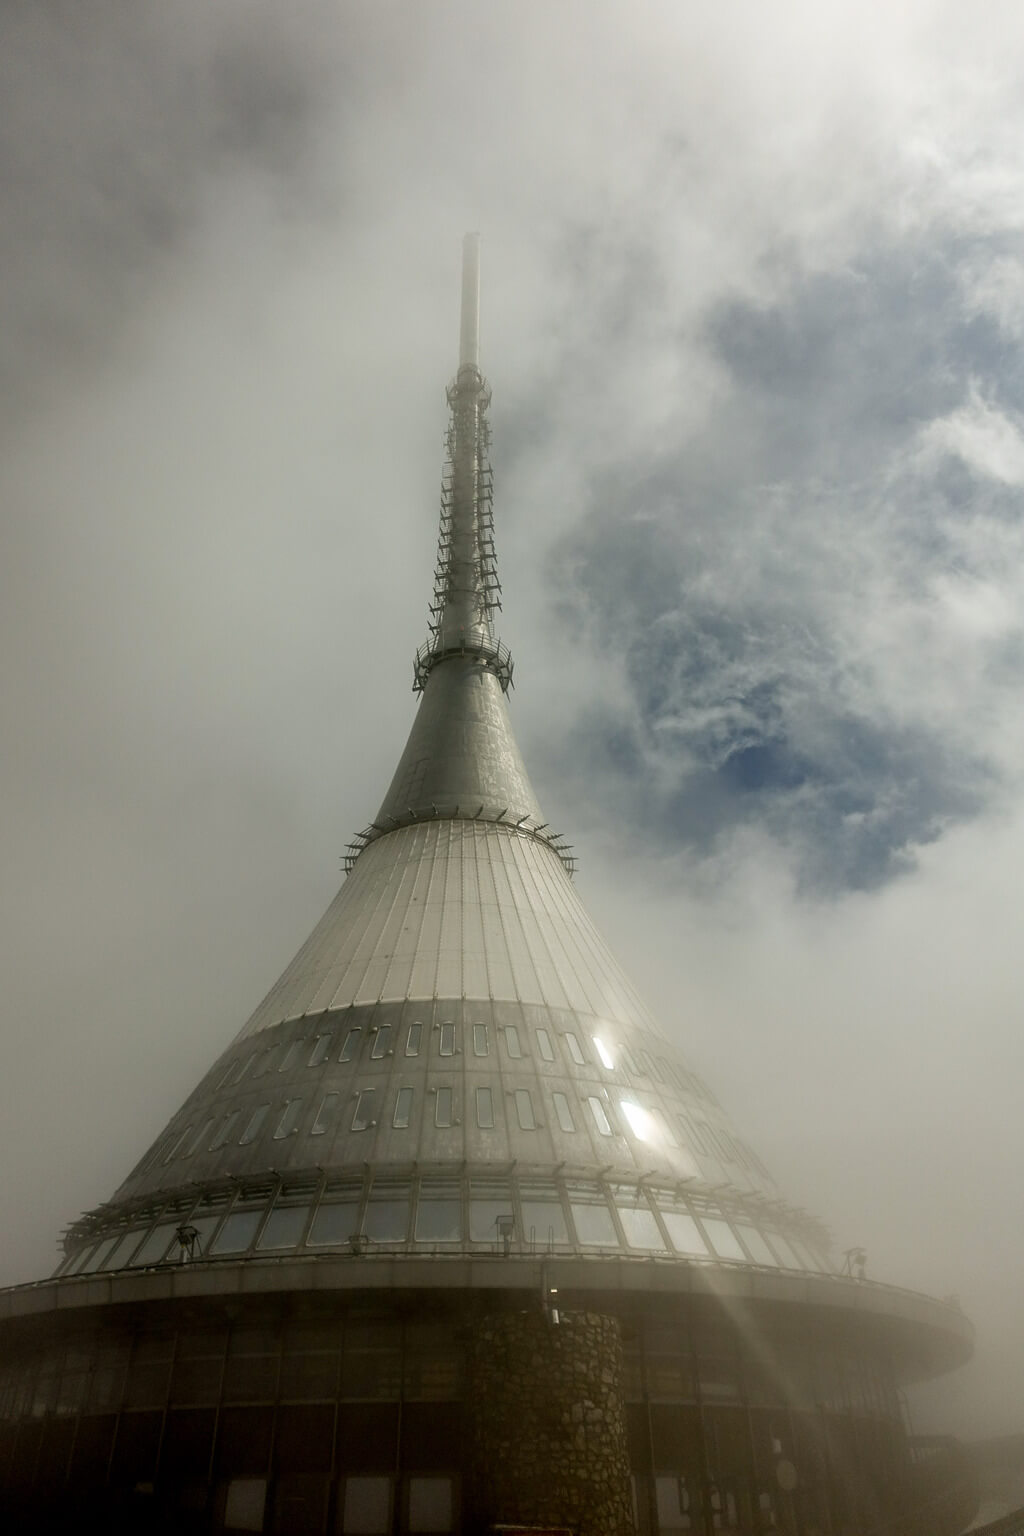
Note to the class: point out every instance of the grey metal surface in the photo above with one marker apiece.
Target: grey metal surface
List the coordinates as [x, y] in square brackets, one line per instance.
[461, 753]
[469, 327]
[602, 1097]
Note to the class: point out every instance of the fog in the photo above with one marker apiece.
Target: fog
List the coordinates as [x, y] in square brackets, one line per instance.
[753, 302]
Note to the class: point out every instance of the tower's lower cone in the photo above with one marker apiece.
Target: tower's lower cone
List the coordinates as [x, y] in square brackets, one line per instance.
[451, 1238]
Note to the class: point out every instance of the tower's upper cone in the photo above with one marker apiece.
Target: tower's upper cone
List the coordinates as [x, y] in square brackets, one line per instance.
[454, 1044]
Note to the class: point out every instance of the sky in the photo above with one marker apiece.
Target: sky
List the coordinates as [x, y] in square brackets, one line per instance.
[753, 305]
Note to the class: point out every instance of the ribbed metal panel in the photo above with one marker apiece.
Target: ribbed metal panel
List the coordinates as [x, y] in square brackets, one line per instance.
[460, 909]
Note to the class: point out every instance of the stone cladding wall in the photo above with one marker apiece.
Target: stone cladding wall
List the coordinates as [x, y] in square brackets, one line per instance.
[547, 1423]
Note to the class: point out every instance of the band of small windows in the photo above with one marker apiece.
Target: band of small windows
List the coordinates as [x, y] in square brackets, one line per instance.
[644, 1122]
[509, 1214]
[383, 1038]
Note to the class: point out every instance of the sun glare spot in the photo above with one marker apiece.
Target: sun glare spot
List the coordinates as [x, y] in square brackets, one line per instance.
[640, 1122]
[607, 1059]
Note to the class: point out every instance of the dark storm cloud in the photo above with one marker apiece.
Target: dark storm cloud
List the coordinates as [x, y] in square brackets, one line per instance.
[747, 601]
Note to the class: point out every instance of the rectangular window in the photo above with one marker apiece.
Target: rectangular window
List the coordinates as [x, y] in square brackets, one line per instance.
[544, 1222]
[443, 1107]
[790, 1259]
[285, 1226]
[438, 1220]
[350, 1046]
[365, 1111]
[412, 1042]
[292, 1054]
[227, 1075]
[80, 1260]
[289, 1121]
[237, 1232]
[575, 1049]
[447, 1040]
[120, 1255]
[668, 1071]
[157, 1244]
[431, 1506]
[594, 1225]
[199, 1139]
[756, 1244]
[226, 1131]
[544, 1045]
[692, 1134]
[255, 1125]
[403, 1109]
[605, 1056]
[237, 1071]
[723, 1238]
[103, 1252]
[484, 1109]
[387, 1220]
[640, 1227]
[524, 1110]
[651, 1067]
[512, 1042]
[480, 1042]
[320, 1050]
[563, 1112]
[266, 1062]
[683, 1231]
[247, 1497]
[489, 1219]
[381, 1043]
[367, 1507]
[600, 1115]
[178, 1145]
[335, 1223]
[673, 1498]
[638, 1120]
[325, 1114]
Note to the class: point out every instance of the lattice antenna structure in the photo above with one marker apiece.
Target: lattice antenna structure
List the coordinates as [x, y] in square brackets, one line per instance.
[467, 591]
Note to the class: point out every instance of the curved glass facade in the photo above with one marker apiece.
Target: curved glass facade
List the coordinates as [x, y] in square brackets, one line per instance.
[312, 1417]
[486, 1212]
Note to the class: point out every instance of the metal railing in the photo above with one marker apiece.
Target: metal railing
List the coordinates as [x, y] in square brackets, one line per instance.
[497, 658]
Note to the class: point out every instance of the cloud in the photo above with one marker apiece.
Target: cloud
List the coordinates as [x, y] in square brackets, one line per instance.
[815, 618]
[987, 441]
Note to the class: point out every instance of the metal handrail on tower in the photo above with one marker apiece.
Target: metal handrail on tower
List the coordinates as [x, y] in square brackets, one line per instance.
[489, 652]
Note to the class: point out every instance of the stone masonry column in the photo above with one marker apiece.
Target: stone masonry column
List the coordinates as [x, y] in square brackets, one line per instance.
[547, 1423]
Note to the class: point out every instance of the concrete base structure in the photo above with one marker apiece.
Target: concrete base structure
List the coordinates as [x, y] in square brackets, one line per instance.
[372, 1395]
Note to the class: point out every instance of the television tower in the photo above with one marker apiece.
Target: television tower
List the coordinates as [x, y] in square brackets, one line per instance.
[452, 1237]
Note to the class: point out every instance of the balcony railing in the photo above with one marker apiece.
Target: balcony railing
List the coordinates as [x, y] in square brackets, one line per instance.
[483, 648]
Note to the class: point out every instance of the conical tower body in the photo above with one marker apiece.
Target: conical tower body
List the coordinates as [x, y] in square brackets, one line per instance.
[456, 1009]
[453, 1146]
